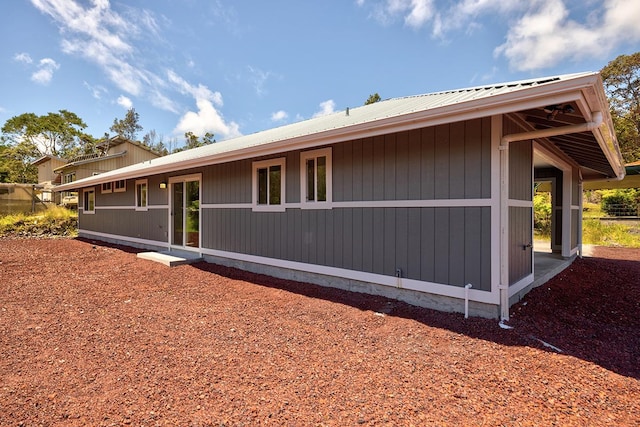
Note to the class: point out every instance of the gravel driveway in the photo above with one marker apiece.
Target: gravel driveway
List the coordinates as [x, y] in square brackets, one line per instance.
[91, 335]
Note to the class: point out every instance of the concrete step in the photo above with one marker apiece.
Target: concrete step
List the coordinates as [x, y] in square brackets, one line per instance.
[172, 258]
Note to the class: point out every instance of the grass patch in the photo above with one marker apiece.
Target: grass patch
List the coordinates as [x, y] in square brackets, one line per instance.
[597, 232]
[55, 221]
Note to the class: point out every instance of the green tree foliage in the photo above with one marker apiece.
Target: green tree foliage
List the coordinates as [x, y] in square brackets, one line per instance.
[28, 137]
[155, 142]
[55, 133]
[129, 126]
[193, 141]
[621, 78]
[373, 98]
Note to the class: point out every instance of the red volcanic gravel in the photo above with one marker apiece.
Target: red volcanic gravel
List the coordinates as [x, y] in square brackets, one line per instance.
[92, 335]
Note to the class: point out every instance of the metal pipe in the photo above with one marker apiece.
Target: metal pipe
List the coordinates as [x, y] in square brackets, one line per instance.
[466, 300]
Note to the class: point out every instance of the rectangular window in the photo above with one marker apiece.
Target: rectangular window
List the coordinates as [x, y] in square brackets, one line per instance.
[269, 185]
[315, 178]
[141, 195]
[70, 177]
[106, 187]
[89, 201]
[120, 186]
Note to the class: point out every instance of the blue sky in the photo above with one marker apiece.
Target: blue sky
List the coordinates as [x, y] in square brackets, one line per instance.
[238, 67]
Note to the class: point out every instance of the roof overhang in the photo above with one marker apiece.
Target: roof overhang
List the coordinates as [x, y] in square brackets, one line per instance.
[526, 100]
[89, 160]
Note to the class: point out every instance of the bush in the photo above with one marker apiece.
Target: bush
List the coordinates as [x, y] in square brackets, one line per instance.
[542, 214]
[620, 203]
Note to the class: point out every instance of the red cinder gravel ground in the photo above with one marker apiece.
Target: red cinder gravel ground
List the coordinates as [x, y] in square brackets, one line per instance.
[91, 335]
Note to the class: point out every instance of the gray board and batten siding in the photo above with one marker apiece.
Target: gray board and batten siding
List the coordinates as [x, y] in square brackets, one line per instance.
[441, 244]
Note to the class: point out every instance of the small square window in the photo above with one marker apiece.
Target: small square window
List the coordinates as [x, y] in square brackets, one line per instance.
[89, 201]
[120, 186]
[269, 185]
[315, 179]
[107, 187]
[141, 195]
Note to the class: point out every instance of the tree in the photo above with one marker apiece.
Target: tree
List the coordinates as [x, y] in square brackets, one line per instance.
[28, 136]
[55, 133]
[129, 126]
[373, 98]
[151, 140]
[621, 78]
[193, 141]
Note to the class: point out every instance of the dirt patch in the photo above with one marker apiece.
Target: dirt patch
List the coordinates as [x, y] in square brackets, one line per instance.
[91, 335]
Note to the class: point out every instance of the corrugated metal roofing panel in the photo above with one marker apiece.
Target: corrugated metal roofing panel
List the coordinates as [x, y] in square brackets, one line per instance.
[386, 109]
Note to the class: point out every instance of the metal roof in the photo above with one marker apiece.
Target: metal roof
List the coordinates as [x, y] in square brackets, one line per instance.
[378, 118]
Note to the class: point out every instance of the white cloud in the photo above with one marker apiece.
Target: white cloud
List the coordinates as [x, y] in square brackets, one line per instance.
[207, 118]
[44, 74]
[96, 91]
[326, 108]
[279, 116]
[104, 37]
[540, 34]
[23, 57]
[258, 78]
[124, 102]
[547, 35]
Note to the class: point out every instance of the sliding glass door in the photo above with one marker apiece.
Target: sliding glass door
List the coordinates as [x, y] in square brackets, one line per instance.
[185, 211]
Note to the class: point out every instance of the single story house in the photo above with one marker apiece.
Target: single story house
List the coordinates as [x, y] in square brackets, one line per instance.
[414, 198]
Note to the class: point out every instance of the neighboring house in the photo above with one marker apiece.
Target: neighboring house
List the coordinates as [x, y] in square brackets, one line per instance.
[113, 153]
[47, 179]
[412, 198]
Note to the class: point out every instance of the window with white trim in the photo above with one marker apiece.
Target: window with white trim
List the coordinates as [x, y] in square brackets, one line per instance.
[89, 201]
[141, 195]
[315, 179]
[120, 186]
[269, 185]
[107, 187]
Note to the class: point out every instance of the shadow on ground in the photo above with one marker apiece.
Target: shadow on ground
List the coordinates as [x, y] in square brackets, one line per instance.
[589, 311]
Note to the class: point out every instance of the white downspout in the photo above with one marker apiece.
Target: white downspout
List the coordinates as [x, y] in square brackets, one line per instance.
[596, 121]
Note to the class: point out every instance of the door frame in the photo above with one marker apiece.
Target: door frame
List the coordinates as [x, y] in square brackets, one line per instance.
[184, 179]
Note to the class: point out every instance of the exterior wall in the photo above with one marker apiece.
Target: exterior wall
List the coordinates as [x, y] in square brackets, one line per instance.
[417, 201]
[115, 213]
[45, 170]
[520, 207]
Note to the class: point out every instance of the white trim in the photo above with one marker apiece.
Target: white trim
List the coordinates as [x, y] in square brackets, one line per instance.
[226, 206]
[184, 178]
[434, 203]
[521, 284]
[124, 238]
[120, 190]
[137, 205]
[279, 161]
[194, 177]
[109, 191]
[132, 208]
[86, 191]
[315, 154]
[496, 251]
[520, 203]
[488, 297]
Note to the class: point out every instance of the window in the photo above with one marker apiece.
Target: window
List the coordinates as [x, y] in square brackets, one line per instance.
[120, 186]
[141, 195]
[89, 201]
[315, 179]
[70, 177]
[269, 185]
[106, 187]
